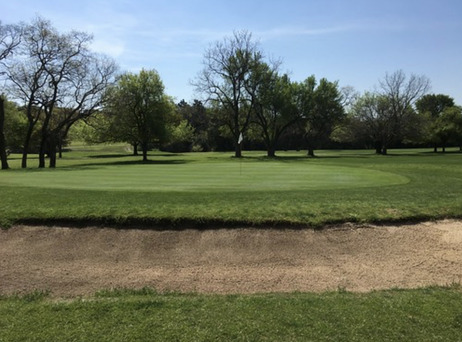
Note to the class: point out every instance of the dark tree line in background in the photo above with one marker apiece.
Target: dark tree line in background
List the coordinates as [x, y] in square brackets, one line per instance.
[60, 90]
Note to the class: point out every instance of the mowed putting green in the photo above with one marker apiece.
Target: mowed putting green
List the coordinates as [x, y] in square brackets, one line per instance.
[217, 176]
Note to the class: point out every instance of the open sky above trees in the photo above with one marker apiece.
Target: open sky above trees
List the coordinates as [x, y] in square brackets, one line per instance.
[355, 42]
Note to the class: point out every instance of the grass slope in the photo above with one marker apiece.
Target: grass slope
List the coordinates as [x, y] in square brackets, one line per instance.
[105, 184]
[431, 314]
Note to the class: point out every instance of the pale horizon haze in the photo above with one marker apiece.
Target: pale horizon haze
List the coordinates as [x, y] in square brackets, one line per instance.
[353, 42]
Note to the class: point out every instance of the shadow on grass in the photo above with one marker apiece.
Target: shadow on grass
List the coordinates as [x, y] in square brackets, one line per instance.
[113, 155]
[123, 155]
[96, 165]
[421, 154]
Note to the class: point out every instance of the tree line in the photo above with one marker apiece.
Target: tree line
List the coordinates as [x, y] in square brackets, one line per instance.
[60, 89]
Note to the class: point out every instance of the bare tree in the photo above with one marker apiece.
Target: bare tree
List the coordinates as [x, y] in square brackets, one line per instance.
[401, 93]
[226, 81]
[10, 38]
[59, 81]
[80, 96]
[27, 74]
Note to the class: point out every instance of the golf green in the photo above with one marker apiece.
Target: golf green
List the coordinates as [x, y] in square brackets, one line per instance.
[218, 176]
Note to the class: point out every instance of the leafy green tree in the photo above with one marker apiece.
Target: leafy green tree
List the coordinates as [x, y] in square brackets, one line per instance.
[322, 109]
[199, 119]
[138, 109]
[430, 108]
[448, 127]
[15, 126]
[275, 109]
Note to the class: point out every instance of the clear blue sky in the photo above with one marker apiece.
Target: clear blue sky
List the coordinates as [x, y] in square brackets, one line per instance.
[354, 42]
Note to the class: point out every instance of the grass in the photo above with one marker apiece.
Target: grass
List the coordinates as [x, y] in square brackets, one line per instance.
[104, 184]
[430, 314]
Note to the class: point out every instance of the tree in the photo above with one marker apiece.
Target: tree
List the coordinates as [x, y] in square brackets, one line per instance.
[448, 127]
[430, 108]
[59, 80]
[15, 126]
[386, 116]
[10, 38]
[321, 108]
[198, 118]
[226, 81]
[79, 97]
[400, 93]
[275, 109]
[138, 106]
[369, 120]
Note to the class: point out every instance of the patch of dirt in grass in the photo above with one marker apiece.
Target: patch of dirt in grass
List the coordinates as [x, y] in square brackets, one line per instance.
[81, 261]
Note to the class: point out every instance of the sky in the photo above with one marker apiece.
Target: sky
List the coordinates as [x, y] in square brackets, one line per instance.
[354, 42]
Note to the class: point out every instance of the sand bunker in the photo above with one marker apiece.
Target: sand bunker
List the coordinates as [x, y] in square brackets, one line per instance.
[81, 261]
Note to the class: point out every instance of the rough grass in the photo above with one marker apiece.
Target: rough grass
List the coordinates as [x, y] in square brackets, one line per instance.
[104, 184]
[430, 314]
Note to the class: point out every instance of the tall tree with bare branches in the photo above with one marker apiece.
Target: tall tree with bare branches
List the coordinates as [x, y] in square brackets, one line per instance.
[59, 81]
[401, 93]
[226, 81]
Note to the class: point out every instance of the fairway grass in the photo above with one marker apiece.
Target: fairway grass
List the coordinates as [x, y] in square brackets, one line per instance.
[105, 184]
[429, 314]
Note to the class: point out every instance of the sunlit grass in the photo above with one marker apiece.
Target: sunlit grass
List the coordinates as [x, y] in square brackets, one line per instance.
[105, 183]
[430, 314]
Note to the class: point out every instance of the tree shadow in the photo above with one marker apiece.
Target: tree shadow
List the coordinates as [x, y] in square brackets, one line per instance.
[92, 166]
[123, 155]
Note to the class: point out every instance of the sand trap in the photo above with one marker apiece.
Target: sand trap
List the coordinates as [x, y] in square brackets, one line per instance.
[73, 262]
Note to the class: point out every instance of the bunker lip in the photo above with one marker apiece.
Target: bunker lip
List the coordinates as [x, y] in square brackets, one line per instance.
[71, 262]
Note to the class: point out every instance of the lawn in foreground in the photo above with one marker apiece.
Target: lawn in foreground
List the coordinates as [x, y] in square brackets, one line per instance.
[104, 184]
[431, 314]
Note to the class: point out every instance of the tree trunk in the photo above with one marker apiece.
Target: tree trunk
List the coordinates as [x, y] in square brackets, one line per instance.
[60, 148]
[238, 151]
[42, 151]
[435, 149]
[144, 147]
[444, 149]
[25, 150]
[384, 151]
[135, 149]
[52, 158]
[3, 156]
[271, 153]
[310, 152]
[52, 151]
[378, 148]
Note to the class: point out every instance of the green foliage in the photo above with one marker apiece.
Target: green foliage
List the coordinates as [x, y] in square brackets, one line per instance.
[321, 108]
[15, 126]
[180, 137]
[434, 104]
[428, 314]
[276, 109]
[440, 117]
[138, 109]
